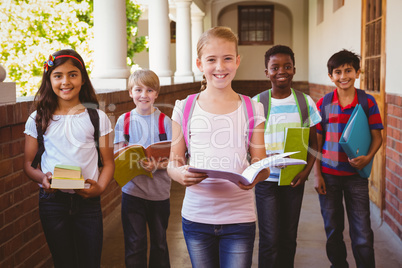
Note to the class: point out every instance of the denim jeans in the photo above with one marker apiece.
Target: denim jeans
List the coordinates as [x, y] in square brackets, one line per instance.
[136, 213]
[278, 209]
[73, 228]
[214, 246]
[354, 190]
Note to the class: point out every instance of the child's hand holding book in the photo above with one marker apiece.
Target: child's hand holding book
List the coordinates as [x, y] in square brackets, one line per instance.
[360, 162]
[262, 176]
[46, 180]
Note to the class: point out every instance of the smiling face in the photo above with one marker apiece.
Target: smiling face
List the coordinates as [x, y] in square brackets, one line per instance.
[66, 81]
[219, 62]
[344, 77]
[144, 98]
[280, 71]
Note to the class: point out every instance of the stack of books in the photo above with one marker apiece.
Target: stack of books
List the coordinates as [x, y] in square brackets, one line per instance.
[67, 177]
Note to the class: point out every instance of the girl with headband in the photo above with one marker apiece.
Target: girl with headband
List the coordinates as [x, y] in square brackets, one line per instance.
[71, 218]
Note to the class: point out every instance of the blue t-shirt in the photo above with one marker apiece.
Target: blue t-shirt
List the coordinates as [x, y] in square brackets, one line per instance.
[144, 130]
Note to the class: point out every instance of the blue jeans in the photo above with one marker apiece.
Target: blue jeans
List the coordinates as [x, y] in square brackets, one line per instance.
[136, 213]
[354, 190]
[228, 245]
[278, 209]
[73, 228]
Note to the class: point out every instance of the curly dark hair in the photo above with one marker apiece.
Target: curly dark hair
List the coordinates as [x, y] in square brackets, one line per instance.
[279, 49]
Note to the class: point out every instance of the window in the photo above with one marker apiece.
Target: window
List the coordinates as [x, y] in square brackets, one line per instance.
[372, 45]
[256, 25]
[338, 4]
[172, 32]
[320, 11]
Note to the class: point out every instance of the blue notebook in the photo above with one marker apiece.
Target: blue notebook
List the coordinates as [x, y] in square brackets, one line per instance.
[356, 138]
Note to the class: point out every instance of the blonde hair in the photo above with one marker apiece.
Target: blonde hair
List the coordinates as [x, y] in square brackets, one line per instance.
[221, 32]
[144, 77]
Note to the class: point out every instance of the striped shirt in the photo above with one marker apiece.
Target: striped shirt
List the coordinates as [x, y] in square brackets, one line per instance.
[334, 159]
[284, 114]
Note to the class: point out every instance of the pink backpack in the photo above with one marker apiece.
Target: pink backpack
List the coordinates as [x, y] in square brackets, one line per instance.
[189, 105]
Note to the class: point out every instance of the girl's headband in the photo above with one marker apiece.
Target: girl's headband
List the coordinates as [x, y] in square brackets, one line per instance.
[50, 62]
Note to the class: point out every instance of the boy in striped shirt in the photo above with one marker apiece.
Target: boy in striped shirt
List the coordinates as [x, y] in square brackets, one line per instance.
[336, 175]
[278, 207]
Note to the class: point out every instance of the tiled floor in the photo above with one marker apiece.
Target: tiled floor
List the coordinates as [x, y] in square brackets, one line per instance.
[311, 237]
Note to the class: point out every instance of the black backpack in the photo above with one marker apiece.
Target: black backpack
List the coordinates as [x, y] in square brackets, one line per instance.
[93, 115]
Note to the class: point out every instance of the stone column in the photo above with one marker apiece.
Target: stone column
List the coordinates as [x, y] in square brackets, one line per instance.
[110, 50]
[183, 73]
[197, 29]
[7, 89]
[159, 40]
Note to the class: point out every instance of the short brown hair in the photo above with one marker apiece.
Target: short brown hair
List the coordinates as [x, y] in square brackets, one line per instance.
[341, 58]
[144, 77]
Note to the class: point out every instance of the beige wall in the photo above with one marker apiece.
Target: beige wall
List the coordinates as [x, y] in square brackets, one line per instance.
[340, 29]
[252, 57]
[291, 18]
[393, 47]
[290, 22]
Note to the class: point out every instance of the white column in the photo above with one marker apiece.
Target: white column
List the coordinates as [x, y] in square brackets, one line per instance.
[183, 73]
[197, 29]
[159, 40]
[110, 45]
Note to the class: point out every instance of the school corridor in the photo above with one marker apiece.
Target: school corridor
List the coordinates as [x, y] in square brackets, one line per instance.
[311, 237]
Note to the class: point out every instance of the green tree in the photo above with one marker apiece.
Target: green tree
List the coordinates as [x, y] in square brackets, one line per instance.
[33, 29]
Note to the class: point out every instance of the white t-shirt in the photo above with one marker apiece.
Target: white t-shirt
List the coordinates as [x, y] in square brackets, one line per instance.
[69, 140]
[218, 141]
[284, 113]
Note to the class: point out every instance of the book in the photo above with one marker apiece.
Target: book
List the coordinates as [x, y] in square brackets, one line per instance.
[251, 172]
[356, 138]
[127, 160]
[158, 150]
[67, 177]
[296, 139]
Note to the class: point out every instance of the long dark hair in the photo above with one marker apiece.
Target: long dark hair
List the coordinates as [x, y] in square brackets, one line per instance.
[46, 101]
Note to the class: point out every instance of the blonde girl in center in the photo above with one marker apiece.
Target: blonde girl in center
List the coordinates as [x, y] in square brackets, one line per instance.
[218, 217]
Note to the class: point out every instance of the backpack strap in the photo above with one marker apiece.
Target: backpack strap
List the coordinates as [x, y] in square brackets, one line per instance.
[301, 102]
[161, 126]
[265, 97]
[327, 104]
[362, 99]
[41, 147]
[94, 116]
[126, 127]
[189, 105]
[249, 111]
[325, 109]
[303, 107]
